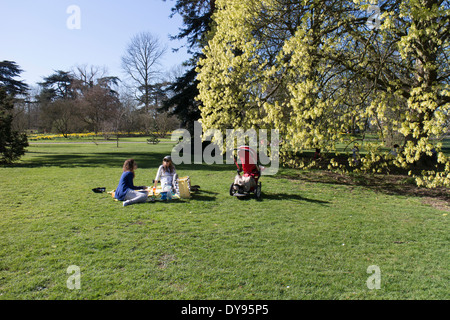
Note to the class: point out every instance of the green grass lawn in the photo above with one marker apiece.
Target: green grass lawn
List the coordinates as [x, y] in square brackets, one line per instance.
[308, 238]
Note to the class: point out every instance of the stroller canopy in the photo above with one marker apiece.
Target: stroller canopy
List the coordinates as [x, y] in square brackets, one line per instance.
[248, 158]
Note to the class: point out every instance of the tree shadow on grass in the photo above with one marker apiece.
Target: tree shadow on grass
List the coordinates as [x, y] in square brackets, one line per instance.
[286, 196]
[402, 185]
[203, 195]
[283, 197]
[74, 160]
[145, 160]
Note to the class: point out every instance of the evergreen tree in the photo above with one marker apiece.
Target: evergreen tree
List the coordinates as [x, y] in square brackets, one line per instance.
[12, 143]
[197, 18]
[8, 71]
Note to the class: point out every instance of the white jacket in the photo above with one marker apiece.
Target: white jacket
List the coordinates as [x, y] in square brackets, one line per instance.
[165, 177]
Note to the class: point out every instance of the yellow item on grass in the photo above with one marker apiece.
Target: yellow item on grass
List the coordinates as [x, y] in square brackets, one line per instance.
[184, 186]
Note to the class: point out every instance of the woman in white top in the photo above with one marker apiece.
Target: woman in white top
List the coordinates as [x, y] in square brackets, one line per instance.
[166, 173]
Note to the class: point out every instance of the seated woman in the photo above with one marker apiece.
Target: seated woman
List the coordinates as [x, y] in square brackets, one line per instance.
[167, 174]
[126, 191]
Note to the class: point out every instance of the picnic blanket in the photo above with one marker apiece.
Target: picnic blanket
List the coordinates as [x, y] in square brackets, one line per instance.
[182, 190]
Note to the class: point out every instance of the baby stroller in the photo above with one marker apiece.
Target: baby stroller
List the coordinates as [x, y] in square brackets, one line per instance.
[246, 184]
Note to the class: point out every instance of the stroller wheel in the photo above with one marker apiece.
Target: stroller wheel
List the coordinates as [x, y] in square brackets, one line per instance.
[258, 191]
[232, 191]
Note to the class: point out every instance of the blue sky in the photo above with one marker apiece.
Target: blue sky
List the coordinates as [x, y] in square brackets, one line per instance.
[35, 35]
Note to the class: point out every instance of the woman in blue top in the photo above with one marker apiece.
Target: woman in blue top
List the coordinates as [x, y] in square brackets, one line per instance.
[126, 191]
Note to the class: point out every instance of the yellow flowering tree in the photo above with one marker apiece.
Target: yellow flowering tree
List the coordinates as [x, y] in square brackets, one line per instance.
[316, 70]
